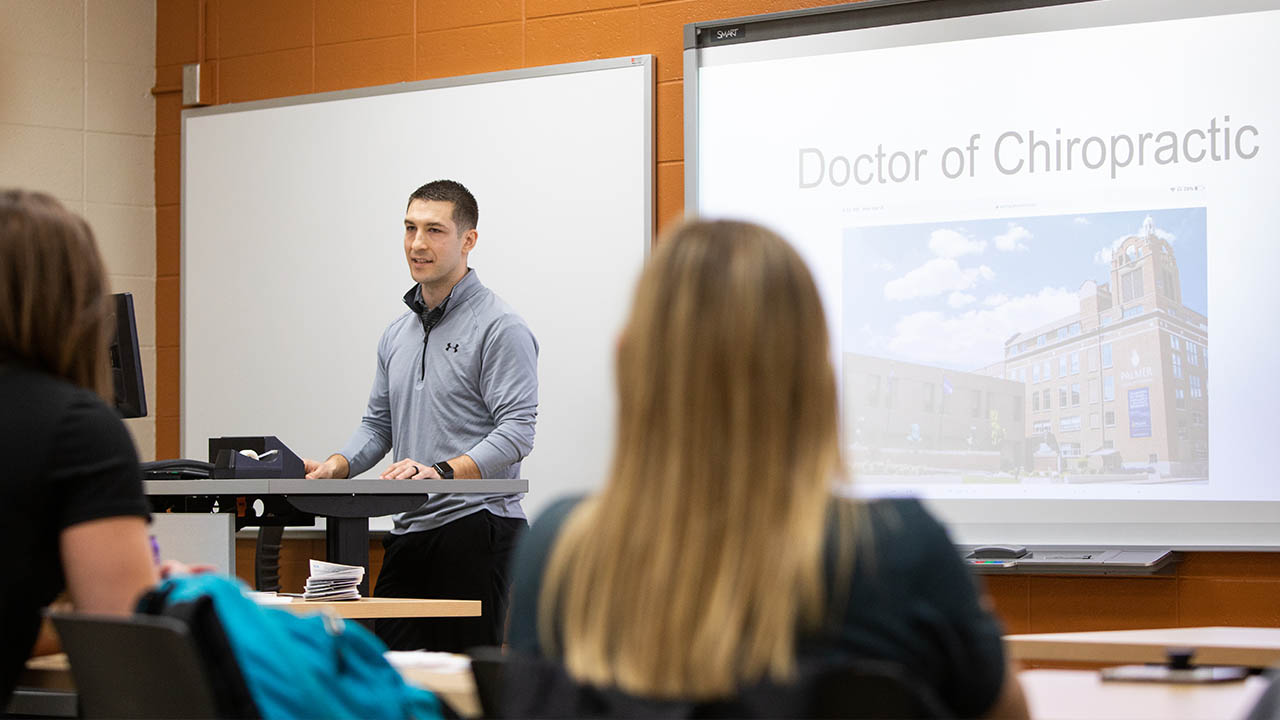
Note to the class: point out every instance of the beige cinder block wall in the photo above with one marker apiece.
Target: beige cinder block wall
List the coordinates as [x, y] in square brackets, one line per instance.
[77, 120]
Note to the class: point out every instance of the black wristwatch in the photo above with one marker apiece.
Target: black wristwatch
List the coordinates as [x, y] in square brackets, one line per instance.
[445, 470]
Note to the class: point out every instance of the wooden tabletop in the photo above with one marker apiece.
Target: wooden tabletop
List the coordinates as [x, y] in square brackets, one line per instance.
[1252, 647]
[456, 688]
[384, 607]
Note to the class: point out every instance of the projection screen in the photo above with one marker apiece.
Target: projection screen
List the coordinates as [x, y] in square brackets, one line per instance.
[1020, 215]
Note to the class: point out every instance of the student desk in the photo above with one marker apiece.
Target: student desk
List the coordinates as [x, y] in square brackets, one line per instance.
[1083, 695]
[46, 689]
[365, 608]
[1051, 695]
[456, 687]
[1252, 647]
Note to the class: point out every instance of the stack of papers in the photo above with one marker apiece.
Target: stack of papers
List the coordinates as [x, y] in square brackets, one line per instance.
[428, 660]
[332, 581]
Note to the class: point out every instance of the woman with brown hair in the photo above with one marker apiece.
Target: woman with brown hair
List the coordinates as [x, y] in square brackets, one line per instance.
[72, 512]
[716, 556]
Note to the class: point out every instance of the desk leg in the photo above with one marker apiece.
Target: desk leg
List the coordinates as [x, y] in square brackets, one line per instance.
[347, 542]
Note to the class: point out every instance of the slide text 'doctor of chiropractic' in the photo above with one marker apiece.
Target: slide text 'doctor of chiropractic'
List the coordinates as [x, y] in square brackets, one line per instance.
[1015, 152]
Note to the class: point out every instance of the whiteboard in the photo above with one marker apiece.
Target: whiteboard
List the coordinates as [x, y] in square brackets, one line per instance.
[293, 260]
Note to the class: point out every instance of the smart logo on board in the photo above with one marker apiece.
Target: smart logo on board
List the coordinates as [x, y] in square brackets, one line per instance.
[724, 34]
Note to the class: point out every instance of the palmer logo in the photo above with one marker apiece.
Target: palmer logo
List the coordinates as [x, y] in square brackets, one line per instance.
[1137, 374]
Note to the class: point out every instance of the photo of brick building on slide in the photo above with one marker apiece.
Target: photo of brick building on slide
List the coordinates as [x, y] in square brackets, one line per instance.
[1037, 350]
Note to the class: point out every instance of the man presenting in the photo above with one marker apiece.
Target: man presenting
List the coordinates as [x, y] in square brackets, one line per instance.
[455, 396]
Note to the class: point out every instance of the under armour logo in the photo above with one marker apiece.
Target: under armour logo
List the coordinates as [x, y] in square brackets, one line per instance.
[451, 347]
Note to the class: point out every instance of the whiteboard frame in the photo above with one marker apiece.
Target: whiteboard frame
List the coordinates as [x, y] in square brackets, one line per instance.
[645, 62]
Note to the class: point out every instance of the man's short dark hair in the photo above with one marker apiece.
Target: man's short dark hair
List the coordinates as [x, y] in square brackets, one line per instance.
[466, 214]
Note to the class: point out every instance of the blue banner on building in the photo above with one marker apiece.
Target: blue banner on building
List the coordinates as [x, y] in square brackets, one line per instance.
[1140, 413]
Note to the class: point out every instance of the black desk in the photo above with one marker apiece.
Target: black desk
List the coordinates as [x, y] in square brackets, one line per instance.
[346, 505]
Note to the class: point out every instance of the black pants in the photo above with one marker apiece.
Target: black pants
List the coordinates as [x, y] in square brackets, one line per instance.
[467, 559]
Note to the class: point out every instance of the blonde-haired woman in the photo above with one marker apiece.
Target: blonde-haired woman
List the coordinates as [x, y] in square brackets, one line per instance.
[72, 512]
[716, 558]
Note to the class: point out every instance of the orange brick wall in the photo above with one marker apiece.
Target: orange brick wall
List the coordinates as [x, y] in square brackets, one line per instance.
[256, 49]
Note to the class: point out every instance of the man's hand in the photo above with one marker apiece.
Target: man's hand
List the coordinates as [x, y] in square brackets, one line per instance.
[334, 467]
[409, 469]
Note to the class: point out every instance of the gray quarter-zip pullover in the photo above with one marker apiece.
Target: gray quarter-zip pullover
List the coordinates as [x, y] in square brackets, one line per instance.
[462, 381]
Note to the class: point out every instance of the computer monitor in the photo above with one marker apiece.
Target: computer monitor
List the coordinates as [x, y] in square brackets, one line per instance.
[126, 361]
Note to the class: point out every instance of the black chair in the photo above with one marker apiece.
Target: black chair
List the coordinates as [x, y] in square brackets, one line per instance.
[142, 666]
[511, 685]
[487, 668]
[266, 558]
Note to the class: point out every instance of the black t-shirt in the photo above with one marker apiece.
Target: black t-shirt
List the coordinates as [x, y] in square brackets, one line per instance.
[909, 601]
[68, 459]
